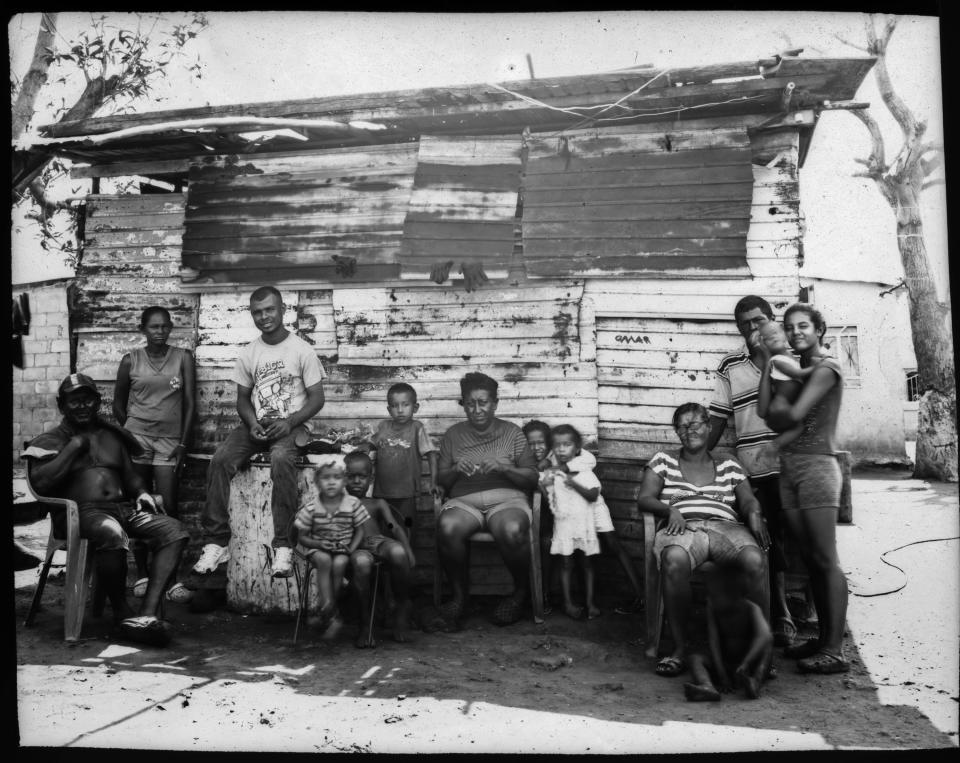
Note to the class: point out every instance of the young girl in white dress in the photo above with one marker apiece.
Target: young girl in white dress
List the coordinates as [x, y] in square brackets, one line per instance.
[573, 491]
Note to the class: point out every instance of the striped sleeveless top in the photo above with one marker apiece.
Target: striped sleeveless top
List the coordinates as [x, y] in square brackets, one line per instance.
[716, 500]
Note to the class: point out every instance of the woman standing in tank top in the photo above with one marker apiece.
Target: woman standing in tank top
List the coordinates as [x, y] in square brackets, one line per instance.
[811, 482]
[153, 399]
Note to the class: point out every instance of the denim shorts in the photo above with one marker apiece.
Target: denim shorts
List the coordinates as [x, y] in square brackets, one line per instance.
[716, 540]
[156, 450]
[810, 481]
[486, 503]
[110, 525]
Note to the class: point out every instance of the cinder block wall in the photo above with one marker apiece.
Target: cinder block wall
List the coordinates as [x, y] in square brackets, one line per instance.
[46, 360]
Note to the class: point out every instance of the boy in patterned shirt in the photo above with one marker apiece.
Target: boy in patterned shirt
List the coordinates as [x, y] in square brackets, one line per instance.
[400, 442]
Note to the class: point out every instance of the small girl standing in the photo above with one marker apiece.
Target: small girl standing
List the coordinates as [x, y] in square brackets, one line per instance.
[573, 490]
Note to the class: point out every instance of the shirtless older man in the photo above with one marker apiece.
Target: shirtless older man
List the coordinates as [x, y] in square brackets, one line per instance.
[88, 460]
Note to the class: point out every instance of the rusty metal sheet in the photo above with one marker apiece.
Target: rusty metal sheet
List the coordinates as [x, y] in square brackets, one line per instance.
[327, 215]
[463, 206]
[643, 203]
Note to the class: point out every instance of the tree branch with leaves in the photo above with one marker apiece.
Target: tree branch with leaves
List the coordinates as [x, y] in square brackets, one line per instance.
[119, 57]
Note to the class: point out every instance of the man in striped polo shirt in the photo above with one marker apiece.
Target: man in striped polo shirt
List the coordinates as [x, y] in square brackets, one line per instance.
[735, 392]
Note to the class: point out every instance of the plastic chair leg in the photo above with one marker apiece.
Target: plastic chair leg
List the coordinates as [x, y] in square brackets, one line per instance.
[52, 548]
[536, 575]
[75, 590]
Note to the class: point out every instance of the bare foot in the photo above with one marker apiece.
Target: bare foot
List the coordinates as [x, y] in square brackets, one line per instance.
[572, 610]
[700, 693]
[593, 613]
[751, 685]
[333, 627]
[401, 621]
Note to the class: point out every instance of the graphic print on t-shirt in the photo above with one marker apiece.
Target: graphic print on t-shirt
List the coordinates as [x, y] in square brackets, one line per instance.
[271, 390]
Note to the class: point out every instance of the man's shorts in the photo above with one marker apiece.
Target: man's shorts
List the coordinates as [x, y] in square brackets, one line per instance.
[484, 504]
[156, 450]
[110, 525]
[810, 481]
[374, 545]
[716, 540]
[406, 508]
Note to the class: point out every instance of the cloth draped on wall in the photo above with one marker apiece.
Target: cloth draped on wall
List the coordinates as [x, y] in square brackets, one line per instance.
[21, 325]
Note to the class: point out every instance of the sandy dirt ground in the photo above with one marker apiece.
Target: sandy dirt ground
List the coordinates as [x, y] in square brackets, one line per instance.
[230, 682]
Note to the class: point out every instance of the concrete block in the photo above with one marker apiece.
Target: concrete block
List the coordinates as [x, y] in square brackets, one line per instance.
[34, 373]
[60, 345]
[47, 386]
[36, 347]
[39, 319]
[47, 359]
[57, 331]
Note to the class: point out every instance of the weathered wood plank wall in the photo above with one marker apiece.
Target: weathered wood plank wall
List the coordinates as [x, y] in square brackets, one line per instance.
[612, 356]
[130, 260]
[660, 341]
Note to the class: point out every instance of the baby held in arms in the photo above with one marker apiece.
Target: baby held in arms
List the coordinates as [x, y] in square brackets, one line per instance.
[786, 375]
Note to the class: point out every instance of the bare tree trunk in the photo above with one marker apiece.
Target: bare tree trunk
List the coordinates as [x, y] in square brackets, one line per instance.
[36, 77]
[901, 183]
[930, 321]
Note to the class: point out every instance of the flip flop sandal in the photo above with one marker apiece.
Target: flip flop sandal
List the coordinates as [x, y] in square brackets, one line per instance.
[785, 633]
[450, 610]
[179, 593]
[146, 629]
[669, 667]
[508, 611]
[806, 648]
[630, 608]
[823, 663]
[140, 587]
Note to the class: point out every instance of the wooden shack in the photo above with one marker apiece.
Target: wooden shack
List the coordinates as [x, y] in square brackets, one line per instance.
[618, 217]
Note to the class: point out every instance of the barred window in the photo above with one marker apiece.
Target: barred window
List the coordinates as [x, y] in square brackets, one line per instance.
[913, 386]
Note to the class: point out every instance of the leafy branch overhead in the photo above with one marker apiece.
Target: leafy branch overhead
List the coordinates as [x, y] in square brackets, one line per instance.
[114, 64]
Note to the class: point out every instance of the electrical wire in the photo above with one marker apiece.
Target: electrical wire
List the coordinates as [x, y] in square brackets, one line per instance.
[891, 564]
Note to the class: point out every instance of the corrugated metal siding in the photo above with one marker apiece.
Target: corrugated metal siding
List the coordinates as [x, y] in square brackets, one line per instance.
[464, 204]
[676, 202]
[130, 261]
[334, 215]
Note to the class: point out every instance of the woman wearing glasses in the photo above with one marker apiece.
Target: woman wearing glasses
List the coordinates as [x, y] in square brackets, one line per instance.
[711, 514]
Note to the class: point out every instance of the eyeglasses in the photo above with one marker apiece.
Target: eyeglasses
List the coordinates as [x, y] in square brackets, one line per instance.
[692, 425]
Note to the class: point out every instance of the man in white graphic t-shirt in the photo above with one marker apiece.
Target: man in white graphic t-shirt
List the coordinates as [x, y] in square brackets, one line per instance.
[279, 389]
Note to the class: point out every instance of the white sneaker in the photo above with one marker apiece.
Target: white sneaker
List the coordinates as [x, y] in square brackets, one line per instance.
[211, 557]
[282, 562]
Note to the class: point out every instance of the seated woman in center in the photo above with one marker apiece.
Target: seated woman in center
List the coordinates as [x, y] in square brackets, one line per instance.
[704, 501]
[487, 470]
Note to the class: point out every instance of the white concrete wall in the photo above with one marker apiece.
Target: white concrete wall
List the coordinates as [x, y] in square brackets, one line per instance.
[875, 416]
